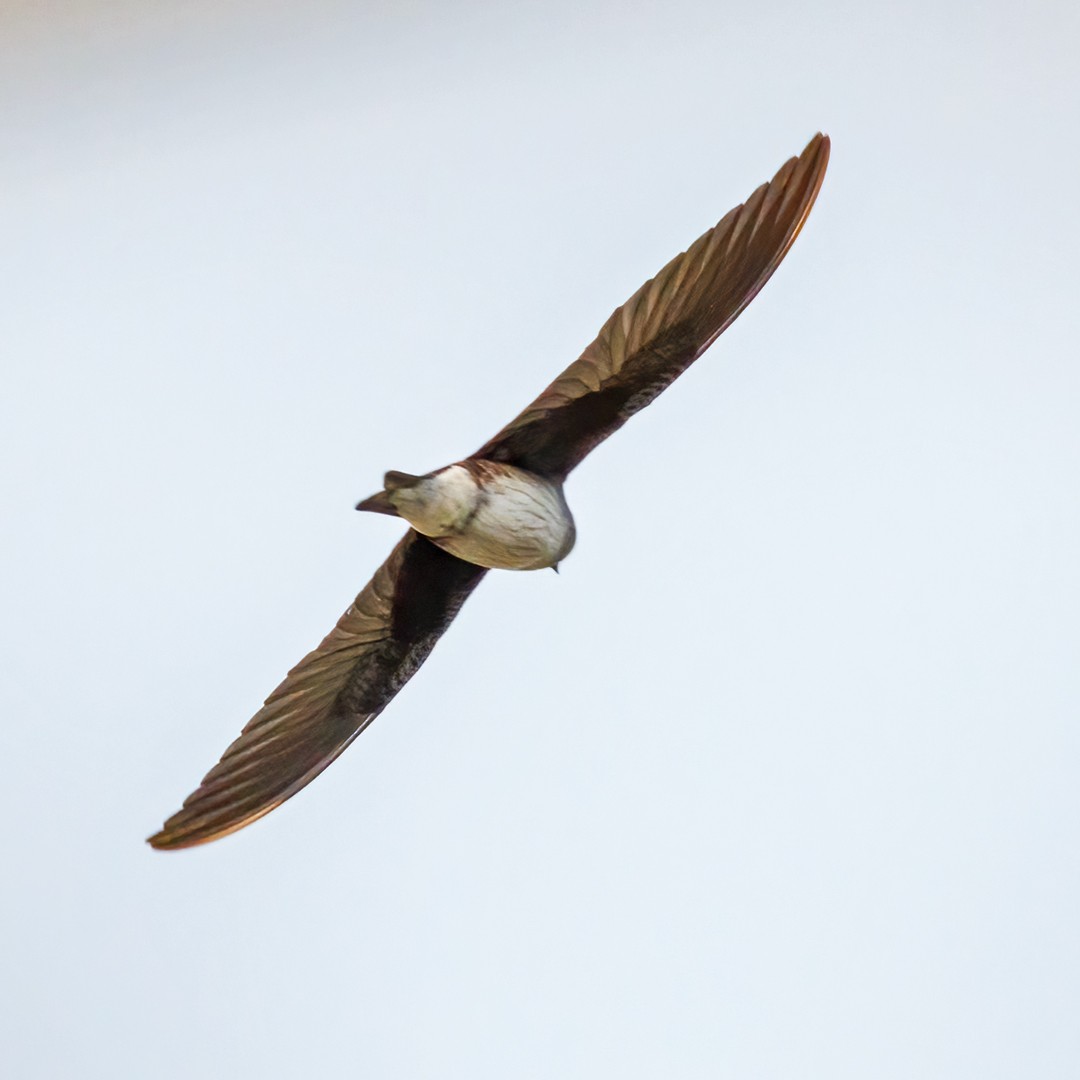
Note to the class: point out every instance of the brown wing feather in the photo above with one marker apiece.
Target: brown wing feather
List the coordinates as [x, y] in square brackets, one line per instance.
[332, 694]
[665, 326]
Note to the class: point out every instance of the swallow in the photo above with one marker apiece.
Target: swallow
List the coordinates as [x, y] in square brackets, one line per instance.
[502, 507]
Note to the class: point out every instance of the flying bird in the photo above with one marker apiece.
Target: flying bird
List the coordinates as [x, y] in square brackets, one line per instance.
[502, 507]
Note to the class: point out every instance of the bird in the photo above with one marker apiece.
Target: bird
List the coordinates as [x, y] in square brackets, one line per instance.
[502, 507]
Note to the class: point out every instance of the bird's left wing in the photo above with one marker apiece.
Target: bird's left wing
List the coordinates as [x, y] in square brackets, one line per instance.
[332, 694]
[665, 326]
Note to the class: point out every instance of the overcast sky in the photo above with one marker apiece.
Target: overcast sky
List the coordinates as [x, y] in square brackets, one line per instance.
[779, 777]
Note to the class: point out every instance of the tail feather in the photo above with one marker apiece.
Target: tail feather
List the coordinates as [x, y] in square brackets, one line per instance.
[395, 481]
[379, 504]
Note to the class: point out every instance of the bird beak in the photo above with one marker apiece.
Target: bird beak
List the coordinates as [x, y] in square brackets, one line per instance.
[379, 504]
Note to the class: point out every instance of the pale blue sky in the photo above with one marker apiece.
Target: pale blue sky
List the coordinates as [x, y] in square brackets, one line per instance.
[778, 778]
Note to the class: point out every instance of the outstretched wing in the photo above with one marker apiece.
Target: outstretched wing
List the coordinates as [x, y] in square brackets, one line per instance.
[665, 326]
[332, 694]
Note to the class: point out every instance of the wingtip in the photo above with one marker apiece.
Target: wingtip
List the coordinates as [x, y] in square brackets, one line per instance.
[819, 148]
[198, 832]
[165, 841]
[822, 148]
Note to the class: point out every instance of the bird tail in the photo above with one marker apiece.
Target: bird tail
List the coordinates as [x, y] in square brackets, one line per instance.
[395, 481]
[392, 481]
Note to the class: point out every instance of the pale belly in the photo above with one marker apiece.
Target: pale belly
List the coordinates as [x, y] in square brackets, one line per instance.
[488, 514]
[519, 522]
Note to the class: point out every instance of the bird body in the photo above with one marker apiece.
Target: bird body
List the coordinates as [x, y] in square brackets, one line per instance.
[501, 508]
[487, 513]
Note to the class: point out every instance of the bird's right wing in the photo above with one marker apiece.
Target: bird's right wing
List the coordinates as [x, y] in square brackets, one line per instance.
[332, 694]
[665, 326]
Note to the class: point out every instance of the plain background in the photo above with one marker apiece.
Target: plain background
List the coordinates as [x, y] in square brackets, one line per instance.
[778, 778]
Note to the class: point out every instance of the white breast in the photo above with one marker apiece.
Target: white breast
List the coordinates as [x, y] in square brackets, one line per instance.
[491, 515]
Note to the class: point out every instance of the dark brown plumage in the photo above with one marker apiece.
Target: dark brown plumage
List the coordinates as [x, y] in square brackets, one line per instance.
[332, 694]
[665, 326]
[392, 626]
